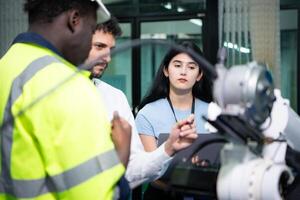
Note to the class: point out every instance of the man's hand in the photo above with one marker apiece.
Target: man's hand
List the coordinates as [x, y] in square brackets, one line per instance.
[182, 135]
[121, 137]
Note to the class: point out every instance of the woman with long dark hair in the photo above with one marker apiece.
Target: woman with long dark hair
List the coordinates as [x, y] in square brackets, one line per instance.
[160, 87]
[180, 90]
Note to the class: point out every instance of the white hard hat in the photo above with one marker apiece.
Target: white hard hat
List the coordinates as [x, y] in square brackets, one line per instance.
[103, 13]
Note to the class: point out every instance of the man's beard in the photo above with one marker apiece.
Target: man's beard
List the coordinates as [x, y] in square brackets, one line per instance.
[100, 75]
[93, 75]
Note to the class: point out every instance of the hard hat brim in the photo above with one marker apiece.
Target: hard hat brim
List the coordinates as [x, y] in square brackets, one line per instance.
[102, 13]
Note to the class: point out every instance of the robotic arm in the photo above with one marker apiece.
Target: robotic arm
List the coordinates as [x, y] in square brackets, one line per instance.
[260, 124]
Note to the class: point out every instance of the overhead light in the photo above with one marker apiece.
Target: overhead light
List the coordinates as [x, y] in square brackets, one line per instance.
[236, 47]
[159, 36]
[154, 36]
[180, 9]
[244, 50]
[183, 36]
[168, 5]
[198, 22]
[145, 36]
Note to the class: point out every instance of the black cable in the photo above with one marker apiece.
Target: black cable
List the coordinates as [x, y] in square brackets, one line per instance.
[271, 140]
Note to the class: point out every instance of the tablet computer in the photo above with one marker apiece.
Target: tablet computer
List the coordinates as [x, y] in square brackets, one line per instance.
[207, 147]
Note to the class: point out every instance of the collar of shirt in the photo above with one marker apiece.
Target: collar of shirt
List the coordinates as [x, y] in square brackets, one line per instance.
[96, 81]
[85, 73]
[30, 37]
[34, 38]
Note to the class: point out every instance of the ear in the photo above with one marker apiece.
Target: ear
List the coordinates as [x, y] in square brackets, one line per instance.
[166, 73]
[199, 77]
[73, 20]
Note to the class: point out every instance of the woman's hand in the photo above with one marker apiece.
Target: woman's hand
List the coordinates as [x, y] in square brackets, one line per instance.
[182, 135]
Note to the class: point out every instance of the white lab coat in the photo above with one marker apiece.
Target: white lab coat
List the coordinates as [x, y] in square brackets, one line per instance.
[143, 166]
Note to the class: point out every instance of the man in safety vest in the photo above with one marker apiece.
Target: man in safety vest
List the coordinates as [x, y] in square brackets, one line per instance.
[55, 138]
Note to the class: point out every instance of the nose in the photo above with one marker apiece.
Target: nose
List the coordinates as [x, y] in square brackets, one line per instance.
[183, 70]
[106, 56]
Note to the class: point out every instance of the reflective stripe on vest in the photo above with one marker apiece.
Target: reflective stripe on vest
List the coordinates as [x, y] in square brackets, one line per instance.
[31, 188]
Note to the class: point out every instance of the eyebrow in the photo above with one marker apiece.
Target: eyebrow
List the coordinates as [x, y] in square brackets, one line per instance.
[99, 43]
[103, 45]
[177, 61]
[192, 62]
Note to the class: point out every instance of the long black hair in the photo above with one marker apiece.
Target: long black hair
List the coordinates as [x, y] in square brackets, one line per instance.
[161, 86]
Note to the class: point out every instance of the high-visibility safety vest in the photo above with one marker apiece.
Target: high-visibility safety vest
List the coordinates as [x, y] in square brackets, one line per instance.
[55, 137]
